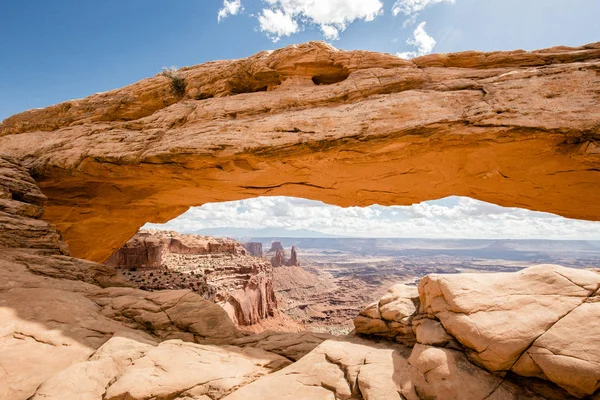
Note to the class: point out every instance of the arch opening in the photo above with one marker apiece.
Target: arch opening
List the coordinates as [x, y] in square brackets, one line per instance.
[293, 263]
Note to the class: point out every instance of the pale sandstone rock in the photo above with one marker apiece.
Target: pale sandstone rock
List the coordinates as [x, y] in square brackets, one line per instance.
[293, 346]
[178, 369]
[568, 353]
[353, 368]
[391, 316]
[485, 125]
[89, 379]
[477, 309]
[331, 371]
[430, 332]
[436, 373]
[541, 322]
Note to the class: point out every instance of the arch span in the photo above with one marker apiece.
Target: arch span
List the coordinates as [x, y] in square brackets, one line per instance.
[514, 128]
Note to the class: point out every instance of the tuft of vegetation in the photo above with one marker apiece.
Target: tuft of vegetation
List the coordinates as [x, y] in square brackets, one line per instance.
[177, 82]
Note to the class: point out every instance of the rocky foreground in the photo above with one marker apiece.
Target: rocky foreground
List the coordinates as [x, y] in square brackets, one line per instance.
[71, 330]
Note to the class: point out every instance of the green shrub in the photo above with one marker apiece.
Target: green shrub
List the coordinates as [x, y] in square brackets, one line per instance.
[177, 82]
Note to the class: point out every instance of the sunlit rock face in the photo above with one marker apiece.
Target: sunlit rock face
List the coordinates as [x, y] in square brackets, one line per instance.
[348, 128]
[279, 258]
[218, 269]
[540, 324]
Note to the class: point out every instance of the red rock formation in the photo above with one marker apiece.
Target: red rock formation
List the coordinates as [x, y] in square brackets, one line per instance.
[142, 251]
[145, 250]
[218, 269]
[255, 249]
[278, 259]
[293, 261]
[275, 247]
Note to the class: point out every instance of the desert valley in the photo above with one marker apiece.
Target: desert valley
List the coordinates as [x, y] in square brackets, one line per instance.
[326, 281]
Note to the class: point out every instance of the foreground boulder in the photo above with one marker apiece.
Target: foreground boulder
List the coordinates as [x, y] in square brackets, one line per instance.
[127, 369]
[542, 322]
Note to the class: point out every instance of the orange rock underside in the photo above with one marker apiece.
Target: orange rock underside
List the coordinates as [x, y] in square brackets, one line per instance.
[516, 129]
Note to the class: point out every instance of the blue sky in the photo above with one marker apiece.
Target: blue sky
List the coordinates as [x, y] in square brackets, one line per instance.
[52, 51]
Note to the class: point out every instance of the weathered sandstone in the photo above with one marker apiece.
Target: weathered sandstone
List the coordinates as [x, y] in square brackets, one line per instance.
[280, 260]
[542, 322]
[148, 249]
[348, 128]
[57, 310]
[218, 269]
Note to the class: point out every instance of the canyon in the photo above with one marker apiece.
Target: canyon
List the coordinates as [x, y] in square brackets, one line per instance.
[80, 178]
[220, 270]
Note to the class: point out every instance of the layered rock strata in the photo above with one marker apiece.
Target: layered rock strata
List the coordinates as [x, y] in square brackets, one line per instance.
[517, 129]
[218, 269]
[148, 248]
[512, 128]
[255, 249]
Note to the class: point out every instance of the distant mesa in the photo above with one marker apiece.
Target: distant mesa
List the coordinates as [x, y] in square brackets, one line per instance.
[255, 249]
[275, 247]
[232, 274]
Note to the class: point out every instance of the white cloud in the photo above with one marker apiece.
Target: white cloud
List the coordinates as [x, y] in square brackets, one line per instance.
[330, 32]
[453, 217]
[285, 17]
[412, 7]
[421, 40]
[230, 7]
[277, 24]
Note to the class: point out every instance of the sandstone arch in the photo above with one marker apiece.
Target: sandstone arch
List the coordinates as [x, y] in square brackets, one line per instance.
[513, 128]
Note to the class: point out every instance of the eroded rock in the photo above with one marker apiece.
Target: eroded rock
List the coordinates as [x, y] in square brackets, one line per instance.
[511, 128]
[540, 323]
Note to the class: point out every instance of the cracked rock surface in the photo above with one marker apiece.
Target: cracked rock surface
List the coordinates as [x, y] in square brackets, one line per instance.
[542, 322]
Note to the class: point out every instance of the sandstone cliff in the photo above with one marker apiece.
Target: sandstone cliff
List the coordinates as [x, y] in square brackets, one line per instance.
[218, 269]
[348, 128]
[254, 249]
